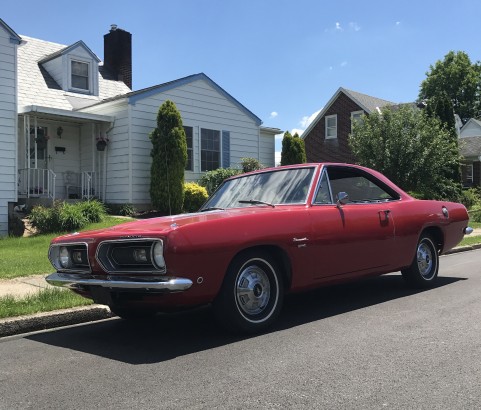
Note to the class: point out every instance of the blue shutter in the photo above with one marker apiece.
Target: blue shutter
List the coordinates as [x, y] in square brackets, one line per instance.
[225, 149]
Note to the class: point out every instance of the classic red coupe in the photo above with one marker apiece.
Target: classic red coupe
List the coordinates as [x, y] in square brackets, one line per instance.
[259, 236]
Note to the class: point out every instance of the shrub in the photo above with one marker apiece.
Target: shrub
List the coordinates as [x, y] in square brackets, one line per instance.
[212, 179]
[195, 196]
[60, 217]
[470, 197]
[71, 217]
[121, 209]
[94, 210]
[250, 164]
[475, 213]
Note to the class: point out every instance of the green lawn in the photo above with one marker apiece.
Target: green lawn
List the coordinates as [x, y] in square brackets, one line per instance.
[43, 301]
[29, 256]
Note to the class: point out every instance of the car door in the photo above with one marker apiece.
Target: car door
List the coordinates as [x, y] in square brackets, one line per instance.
[356, 236]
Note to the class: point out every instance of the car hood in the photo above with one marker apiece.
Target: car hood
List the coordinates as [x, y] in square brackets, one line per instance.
[161, 226]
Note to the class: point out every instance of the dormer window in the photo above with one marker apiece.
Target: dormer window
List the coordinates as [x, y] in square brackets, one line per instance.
[80, 75]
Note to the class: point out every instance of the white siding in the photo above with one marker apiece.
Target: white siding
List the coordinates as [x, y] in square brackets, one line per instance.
[471, 129]
[201, 106]
[267, 149]
[8, 125]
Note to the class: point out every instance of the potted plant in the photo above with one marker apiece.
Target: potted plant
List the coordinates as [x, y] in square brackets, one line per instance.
[102, 142]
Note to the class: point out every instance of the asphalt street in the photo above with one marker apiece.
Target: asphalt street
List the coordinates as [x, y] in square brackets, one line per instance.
[367, 345]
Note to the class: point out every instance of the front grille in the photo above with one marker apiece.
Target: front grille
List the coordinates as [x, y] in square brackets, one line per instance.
[128, 256]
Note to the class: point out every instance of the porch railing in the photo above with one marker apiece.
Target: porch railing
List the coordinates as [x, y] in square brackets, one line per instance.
[89, 185]
[36, 183]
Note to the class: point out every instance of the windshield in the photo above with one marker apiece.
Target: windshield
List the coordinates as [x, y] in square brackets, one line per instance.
[286, 186]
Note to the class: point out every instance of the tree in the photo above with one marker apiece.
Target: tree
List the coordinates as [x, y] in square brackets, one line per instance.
[293, 149]
[169, 158]
[411, 148]
[459, 79]
[249, 164]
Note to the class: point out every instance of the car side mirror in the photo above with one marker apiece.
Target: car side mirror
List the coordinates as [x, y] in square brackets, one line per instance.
[342, 198]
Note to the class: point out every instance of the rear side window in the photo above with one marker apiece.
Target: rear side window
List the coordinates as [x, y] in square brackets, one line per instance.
[359, 185]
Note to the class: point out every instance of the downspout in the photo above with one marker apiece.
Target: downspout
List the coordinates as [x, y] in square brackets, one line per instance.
[129, 145]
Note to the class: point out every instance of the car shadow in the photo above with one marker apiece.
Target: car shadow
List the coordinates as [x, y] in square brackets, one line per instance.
[169, 336]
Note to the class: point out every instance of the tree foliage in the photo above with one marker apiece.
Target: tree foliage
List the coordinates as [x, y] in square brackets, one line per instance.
[169, 158]
[459, 79]
[411, 148]
[293, 149]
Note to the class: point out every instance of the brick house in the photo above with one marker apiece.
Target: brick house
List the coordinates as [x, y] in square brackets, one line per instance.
[326, 138]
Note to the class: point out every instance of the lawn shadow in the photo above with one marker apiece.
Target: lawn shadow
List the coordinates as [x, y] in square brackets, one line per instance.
[169, 336]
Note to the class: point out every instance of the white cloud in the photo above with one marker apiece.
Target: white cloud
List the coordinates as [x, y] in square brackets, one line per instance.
[398, 23]
[297, 131]
[344, 63]
[354, 26]
[306, 120]
[273, 114]
[338, 26]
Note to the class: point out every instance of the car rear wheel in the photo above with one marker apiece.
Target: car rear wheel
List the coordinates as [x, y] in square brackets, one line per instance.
[423, 271]
[252, 293]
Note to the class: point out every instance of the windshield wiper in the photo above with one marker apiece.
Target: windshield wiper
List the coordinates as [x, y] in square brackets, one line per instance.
[212, 208]
[255, 202]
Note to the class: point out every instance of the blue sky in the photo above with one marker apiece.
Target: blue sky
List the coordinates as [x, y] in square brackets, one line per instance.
[282, 59]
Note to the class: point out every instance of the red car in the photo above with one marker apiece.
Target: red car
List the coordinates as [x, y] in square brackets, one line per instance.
[259, 236]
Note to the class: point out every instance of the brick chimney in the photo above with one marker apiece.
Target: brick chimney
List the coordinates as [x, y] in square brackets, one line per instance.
[118, 54]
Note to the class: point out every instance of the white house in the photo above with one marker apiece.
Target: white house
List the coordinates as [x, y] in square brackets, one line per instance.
[8, 121]
[79, 131]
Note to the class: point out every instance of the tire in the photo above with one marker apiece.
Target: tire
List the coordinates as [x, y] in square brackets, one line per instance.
[252, 293]
[423, 271]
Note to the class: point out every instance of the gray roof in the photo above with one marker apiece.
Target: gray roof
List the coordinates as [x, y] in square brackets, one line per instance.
[37, 87]
[366, 101]
[470, 147]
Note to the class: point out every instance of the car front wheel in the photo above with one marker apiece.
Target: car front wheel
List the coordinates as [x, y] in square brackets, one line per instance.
[252, 293]
[424, 269]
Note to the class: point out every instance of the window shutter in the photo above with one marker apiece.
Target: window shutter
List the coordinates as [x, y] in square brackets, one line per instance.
[225, 149]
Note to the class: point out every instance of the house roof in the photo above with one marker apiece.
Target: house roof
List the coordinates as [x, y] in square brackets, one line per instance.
[67, 49]
[134, 96]
[470, 147]
[366, 102]
[37, 87]
[13, 36]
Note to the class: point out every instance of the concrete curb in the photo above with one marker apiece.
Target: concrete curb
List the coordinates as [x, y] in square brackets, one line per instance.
[49, 320]
[464, 248]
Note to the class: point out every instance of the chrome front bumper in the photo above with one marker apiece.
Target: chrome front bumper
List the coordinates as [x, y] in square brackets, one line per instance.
[73, 281]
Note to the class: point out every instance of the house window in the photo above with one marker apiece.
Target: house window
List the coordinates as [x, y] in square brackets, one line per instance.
[331, 126]
[356, 118]
[209, 149]
[189, 131]
[468, 169]
[80, 75]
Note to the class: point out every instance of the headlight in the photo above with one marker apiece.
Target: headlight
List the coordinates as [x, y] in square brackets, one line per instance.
[72, 257]
[64, 257]
[158, 254]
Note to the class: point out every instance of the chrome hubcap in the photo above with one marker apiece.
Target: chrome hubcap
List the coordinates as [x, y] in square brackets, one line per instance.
[425, 260]
[253, 290]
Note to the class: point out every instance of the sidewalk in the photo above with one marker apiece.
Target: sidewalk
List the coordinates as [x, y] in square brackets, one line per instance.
[24, 286]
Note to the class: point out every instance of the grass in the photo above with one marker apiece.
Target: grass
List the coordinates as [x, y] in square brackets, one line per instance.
[43, 301]
[28, 256]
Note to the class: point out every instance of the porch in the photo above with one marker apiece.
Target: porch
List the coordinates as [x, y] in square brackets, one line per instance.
[43, 183]
[59, 155]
